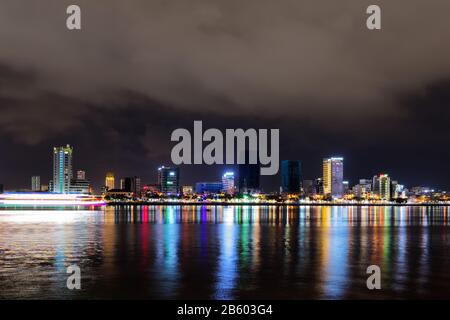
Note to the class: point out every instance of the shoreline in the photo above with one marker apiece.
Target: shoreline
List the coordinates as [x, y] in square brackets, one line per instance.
[314, 204]
[217, 204]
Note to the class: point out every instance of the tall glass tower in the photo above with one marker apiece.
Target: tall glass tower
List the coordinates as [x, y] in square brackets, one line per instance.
[169, 180]
[290, 176]
[228, 182]
[248, 180]
[62, 169]
[385, 187]
[333, 177]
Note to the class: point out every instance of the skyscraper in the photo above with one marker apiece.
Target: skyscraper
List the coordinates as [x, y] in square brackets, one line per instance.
[62, 169]
[110, 181]
[249, 175]
[169, 180]
[228, 182]
[385, 187]
[376, 185]
[290, 176]
[333, 177]
[131, 184]
[36, 183]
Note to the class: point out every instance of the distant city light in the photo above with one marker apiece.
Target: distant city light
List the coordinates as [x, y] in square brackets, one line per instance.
[49, 199]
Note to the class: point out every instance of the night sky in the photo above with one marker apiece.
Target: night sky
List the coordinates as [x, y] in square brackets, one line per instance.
[140, 69]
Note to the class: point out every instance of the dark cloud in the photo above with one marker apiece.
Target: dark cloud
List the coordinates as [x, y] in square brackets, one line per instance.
[140, 69]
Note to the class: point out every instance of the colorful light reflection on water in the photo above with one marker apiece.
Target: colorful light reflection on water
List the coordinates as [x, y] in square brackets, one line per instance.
[169, 252]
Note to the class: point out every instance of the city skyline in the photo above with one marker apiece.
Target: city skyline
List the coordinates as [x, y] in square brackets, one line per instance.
[225, 158]
[331, 184]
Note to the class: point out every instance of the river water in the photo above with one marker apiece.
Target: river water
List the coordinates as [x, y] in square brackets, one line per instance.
[225, 252]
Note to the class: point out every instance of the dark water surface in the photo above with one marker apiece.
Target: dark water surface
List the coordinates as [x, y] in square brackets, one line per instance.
[170, 252]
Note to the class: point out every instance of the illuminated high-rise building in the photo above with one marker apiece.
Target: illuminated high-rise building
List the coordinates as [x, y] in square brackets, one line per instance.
[376, 185]
[110, 181]
[228, 182]
[385, 187]
[333, 177]
[169, 180]
[290, 176]
[62, 169]
[36, 183]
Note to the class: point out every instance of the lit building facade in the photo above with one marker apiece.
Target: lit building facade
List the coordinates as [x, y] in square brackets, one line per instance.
[228, 183]
[385, 187]
[376, 185]
[208, 187]
[290, 176]
[346, 187]
[36, 183]
[80, 186]
[363, 189]
[62, 169]
[110, 182]
[132, 185]
[169, 180]
[333, 177]
[398, 190]
[150, 189]
[318, 186]
[81, 175]
[187, 190]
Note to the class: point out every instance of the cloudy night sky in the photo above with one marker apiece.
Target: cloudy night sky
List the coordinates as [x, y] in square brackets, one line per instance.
[139, 69]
